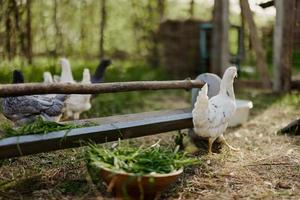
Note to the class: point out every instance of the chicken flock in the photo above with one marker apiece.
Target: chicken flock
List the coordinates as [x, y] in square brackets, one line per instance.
[213, 106]
[52, 107]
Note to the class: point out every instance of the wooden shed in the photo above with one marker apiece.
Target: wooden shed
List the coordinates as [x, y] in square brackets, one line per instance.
[181, 48]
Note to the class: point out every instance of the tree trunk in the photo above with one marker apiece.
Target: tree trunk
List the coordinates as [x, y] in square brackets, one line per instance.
[161, 9]
[192, 8]
[8, 32]
[58, 34]
[44, 31]
[244, 32]
[102, 27]
[17, 23]
[82, 26]
[136, 26]
[220, 48]
[153, 56]
[28, 32]
[283, 44]
[257, 44]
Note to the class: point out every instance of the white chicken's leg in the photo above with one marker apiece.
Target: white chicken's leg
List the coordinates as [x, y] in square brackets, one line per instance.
[76, 115]
[210, 143]
[222, 139]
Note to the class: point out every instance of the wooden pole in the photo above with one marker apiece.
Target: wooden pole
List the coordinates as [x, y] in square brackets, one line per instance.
[220, 46]
[283, 44]
[67, 88]
[257, 44]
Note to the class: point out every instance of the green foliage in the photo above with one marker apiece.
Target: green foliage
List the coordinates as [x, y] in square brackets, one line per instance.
[291, 99]
[296, 60]
[39, 126]
[138, 160]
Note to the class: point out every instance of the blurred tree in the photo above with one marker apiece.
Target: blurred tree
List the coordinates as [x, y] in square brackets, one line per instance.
[58, 34]
[28, 31]
[257, 44]
[102, 27]
[161, 9]
[220, 41]
[9, 30]
[83, 34]
[192, 8]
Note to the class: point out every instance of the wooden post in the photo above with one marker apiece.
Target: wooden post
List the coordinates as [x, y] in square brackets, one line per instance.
[283, 44]
[257, 44]
[220, 46]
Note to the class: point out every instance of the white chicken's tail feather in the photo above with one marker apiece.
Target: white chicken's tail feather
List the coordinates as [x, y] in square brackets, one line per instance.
[66, 71]
[200, 107]
[47, 77]
[86, 76]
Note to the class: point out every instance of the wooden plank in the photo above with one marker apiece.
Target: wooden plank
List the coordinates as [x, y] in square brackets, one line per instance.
[77, 88]
[220, 44]
[257, 43]
[130, 117]
[124, 127]
[283, 44]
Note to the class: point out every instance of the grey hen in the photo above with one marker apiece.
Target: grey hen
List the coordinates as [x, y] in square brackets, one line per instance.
[25, 109]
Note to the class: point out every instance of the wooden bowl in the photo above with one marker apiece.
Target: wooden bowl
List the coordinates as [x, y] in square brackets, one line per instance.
[130, 186]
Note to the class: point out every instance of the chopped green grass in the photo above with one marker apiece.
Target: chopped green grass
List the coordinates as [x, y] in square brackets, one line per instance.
[39, 126]
[138, 160]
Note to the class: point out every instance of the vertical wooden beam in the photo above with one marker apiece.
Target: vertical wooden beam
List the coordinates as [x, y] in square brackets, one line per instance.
[257, 43]
[283, 44]
[220, 46]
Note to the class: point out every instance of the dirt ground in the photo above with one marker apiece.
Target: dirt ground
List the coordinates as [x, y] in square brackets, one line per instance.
[266, 167]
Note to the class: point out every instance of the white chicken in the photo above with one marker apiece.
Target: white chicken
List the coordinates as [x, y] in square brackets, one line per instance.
[48, 80]
[211, 116]
[47, 77]
[78, 103]
[66, 72]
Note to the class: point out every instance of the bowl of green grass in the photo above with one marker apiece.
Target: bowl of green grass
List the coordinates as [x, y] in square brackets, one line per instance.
[136, 172]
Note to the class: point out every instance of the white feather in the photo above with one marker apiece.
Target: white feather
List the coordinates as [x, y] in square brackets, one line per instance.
[47, 77]
[78, 103]
[66, 71]
[48, 80]
[211, 116]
